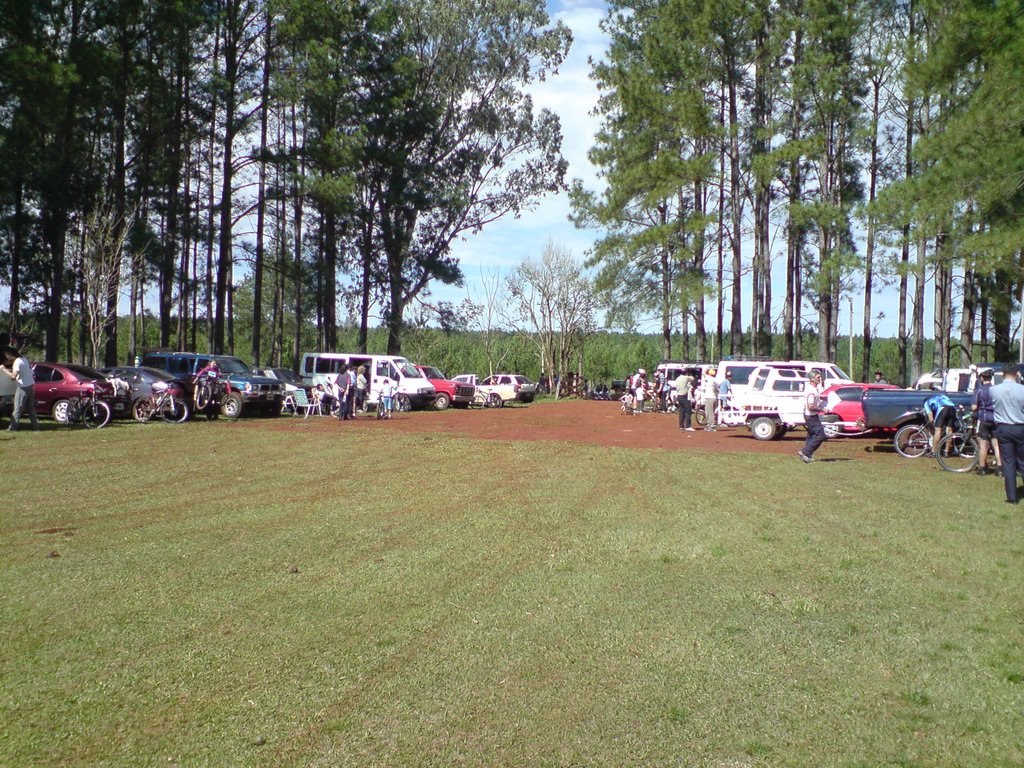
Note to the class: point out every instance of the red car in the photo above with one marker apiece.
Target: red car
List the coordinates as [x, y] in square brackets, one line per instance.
[56, 383]
[448, 391]
[843, 404]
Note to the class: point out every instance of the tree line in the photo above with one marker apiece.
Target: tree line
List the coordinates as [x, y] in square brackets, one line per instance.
[332, 152]
[151, 149]
[867, 143]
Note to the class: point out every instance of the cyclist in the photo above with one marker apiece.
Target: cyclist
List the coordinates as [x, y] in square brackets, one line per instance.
[939, 410]
[984, 412]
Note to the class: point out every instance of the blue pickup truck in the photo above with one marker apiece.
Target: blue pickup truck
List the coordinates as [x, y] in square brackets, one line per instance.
[249, 391]
[894, 408]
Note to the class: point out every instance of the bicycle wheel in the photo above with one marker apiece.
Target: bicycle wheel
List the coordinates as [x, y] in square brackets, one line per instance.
[700, 417]
[402, 403]
[958, 453]
[173, 410]
[96, 414]
[142, 410]
[912, 441]
[203, 394]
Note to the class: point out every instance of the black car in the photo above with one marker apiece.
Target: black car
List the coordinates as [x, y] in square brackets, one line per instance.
[140, 380]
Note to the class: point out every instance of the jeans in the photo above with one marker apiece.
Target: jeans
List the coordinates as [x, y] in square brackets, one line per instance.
[24, 399]
[815, 434]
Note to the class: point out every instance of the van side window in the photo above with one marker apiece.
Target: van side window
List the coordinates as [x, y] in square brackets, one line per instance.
[323, 365]
[386, 371]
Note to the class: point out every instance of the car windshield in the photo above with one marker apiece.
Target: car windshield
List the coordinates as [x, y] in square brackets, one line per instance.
[407, 369]
[431, 372]
[286, 375]
[232, 365]
[86, 373]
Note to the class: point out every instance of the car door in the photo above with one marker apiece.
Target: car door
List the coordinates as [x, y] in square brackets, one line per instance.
[43, 374]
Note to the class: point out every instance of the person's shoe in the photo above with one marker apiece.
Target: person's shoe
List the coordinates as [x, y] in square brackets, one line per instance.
[689, 429]
[981, 471]
[804, 457]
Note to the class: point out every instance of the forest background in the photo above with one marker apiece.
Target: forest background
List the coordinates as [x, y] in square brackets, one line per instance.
[267, 177]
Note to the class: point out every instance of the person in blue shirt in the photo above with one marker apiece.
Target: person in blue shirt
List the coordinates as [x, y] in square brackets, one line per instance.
[939, 410]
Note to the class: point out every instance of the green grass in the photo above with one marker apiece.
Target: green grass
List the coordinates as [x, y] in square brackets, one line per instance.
[479, 603]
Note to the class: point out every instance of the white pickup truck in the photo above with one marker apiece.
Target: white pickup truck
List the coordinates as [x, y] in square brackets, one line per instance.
[771, 406]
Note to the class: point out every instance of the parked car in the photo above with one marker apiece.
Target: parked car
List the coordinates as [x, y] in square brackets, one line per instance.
[57, 383]
[288, 378]
[508, 386]
[844, 411]
[448, 391]
[253, 392]
[140, 380]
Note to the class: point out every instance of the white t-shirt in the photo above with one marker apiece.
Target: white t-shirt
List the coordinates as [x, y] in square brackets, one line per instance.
[387, 389]
[23, 373]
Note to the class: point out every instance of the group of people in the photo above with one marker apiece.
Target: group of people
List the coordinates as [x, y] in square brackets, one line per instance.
[689, 391]
[345, 396]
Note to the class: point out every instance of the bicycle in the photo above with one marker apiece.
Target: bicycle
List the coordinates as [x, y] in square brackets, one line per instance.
[164, 400]
[88, 408]
[912, 441]
[961, 450]
[213, 396]
[485, 400]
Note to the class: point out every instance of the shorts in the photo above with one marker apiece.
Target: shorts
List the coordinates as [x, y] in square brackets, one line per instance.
[386, 401]
[944, 416]
[987, 430]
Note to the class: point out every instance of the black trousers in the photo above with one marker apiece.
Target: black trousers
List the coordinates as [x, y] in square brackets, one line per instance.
[1011, 448]
[685, 408]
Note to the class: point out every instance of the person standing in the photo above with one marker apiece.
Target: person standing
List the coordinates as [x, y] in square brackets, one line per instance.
[985, 415]
[709, 390]
[725, 391]
[1008, 408]
[360, 388]
[684, 402]
[17, 368]
[342, 391]
[813, 406]
[879, 378]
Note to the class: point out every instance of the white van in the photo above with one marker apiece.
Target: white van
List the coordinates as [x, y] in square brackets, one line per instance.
[743, 369]
[414, 389]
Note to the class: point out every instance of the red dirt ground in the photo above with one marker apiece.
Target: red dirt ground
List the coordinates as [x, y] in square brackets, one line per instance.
[579, 421]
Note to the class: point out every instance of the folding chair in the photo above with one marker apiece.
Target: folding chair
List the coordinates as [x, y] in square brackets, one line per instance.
[303, 403]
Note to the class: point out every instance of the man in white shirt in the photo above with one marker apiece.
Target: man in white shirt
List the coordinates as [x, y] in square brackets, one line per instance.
[684, 405]
[812, 420]
[18, 368]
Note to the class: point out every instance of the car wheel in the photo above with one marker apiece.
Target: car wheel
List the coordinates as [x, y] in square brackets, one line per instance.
[442, 401]
[60, 411]
[232, 406]
[764, 428]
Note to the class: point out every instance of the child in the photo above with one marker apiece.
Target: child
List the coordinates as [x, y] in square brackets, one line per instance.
[387, 394]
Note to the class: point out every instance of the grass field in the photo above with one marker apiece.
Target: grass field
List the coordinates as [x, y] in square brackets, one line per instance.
[233, 595]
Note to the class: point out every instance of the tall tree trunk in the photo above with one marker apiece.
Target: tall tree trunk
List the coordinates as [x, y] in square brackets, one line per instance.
[225, 255]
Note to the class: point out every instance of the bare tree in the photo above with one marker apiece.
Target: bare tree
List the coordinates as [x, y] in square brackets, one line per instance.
[552, 302]
[103, 238]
